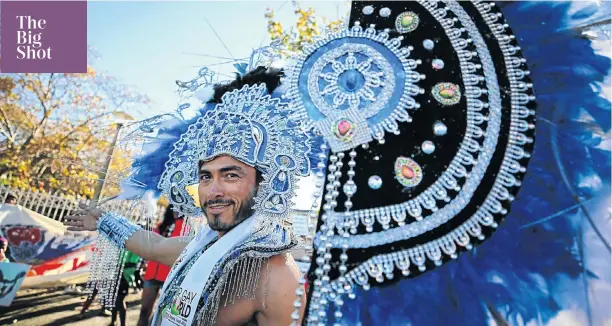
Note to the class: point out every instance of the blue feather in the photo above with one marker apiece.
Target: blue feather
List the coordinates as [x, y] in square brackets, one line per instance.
[241, 68]
[521, 270]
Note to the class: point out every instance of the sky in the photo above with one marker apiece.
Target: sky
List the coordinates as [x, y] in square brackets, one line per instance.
[149, 45]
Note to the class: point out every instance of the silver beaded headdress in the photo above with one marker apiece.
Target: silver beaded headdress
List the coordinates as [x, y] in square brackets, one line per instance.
[254, 128]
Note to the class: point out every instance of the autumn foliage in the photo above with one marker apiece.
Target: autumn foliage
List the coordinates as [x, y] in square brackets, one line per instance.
[306, 28]
[56, 129]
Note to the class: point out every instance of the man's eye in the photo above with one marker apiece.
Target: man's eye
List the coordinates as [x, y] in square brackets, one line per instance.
[231, 176]
[204, 177]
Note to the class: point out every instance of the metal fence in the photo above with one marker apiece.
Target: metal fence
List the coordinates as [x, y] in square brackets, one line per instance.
[56, 205]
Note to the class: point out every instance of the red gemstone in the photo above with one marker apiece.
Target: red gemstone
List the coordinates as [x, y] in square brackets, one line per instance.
[408, 172]
[344, 127]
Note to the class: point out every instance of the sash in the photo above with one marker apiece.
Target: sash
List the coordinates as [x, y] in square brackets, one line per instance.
[181, 311]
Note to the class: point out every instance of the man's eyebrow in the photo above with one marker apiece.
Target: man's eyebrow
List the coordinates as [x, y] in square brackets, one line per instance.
[224, 169]
[234, 168]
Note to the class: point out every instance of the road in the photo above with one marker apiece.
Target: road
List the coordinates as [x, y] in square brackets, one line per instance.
[38, 307]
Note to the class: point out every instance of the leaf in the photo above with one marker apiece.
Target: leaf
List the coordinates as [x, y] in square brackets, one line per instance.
[122, 115]
[58, 125]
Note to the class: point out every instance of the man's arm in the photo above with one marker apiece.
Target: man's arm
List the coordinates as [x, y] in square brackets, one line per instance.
[280, 285]
[152, 246]
[146, 244]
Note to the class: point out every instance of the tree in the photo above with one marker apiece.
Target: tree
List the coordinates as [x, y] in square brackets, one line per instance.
[56, 129]
[306, 29]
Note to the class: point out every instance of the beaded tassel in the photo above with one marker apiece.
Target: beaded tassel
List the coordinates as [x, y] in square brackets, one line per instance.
[106, 265]
[320, 181]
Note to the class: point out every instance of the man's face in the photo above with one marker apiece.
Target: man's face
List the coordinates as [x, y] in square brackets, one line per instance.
[226, 191]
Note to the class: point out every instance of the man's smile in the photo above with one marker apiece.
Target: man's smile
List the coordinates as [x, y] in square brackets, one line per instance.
[218, 207]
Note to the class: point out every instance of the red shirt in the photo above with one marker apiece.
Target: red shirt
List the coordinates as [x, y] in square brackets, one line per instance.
[155, 270]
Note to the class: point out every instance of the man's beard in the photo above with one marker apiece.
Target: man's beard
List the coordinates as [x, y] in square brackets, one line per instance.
[244, 212]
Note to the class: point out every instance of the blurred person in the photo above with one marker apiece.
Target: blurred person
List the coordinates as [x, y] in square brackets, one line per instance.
[10, 199]
[139, 281]
[3, 248]
[103, 311]
[156, 273]
[127, 279]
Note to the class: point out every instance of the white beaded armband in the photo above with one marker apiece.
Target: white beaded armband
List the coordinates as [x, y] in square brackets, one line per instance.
[116, 228]
[107, 261]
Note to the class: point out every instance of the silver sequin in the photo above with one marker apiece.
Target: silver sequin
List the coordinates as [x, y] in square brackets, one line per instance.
[428, 147]
[375, 182]
[428, 44]
[385, 12]
[439, 128]
[437, 64]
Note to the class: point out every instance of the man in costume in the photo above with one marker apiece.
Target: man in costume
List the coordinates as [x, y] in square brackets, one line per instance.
[243, 154]
[429, 109]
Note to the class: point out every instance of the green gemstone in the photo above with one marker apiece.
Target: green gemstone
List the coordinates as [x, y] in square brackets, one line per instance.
[448, 93]
[407, 21]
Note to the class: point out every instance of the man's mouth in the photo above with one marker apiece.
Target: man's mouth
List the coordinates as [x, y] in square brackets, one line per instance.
[219, 207]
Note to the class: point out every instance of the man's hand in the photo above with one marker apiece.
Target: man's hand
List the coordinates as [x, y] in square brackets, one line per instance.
[148, 245]
[85, 219]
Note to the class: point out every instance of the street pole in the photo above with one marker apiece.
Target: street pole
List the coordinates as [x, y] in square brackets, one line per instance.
[109, 157]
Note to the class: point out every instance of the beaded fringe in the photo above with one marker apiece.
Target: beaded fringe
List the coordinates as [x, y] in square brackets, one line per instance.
[105, 271]
[191, 228]
[239, 283]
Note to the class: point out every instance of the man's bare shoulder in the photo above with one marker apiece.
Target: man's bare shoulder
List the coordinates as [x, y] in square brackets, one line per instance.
[284, 264]
[281, 274]
[281, 280]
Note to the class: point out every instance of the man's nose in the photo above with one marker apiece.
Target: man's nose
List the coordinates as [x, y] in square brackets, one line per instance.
[216, 190]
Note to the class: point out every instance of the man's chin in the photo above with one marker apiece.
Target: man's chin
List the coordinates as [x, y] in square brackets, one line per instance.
[220, 221]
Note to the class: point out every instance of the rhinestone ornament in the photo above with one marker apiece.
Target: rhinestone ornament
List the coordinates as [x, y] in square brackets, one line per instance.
[375, 182]
[428, 44]
[344, 129]
[428, 147]
[367, 10]
[446, 93]
[408, 172]
[385, 12]
[406, 22]
[439, 128]
[437, 64]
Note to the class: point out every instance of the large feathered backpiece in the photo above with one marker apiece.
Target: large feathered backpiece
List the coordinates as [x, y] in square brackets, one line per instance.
[380, 240]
